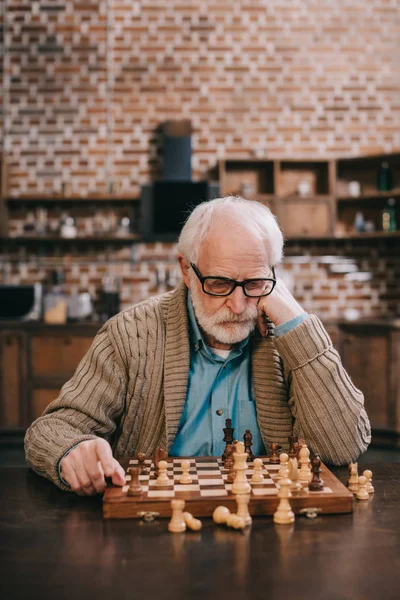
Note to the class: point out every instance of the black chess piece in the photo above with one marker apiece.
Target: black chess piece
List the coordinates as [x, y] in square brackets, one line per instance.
[141, 458]
[274, 456]
[228, 437]
[317, 484]
[248, 442]
[293, 439]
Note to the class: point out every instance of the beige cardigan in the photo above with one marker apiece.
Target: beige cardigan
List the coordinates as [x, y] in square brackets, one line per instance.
[130, 388]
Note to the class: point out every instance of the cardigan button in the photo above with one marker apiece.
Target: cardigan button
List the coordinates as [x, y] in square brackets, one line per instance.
[220, 412]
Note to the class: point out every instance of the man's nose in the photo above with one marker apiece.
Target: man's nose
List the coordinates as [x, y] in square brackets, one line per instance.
[237, 301]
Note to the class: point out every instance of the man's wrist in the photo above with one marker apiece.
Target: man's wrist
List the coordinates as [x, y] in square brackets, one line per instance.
[291, 324]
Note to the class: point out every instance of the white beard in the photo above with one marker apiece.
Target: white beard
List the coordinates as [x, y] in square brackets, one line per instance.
[223, 325]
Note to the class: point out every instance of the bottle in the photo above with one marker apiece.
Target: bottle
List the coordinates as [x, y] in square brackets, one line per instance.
[389, 216]
[359, 222]
[385, 177]
[55, 301]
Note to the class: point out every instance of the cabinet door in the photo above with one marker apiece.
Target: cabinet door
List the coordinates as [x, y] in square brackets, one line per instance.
[12, 380]
[306, 217]
[56, 355]
[366, 359]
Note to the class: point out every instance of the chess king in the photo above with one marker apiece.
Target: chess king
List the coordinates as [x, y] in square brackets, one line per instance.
[229, 342]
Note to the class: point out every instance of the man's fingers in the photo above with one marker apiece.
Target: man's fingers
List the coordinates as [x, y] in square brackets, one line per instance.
[104, 455]
[118, 477]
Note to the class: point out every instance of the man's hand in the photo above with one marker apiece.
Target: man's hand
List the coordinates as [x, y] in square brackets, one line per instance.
[279, 307]
[87, 465]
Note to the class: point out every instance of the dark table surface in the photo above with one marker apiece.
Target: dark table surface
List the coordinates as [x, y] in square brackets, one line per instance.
[57, 545]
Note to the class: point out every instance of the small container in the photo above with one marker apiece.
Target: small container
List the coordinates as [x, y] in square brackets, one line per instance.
[389, 216]
[359, 222]
[354, 189]
[55, 302]
[384, 177]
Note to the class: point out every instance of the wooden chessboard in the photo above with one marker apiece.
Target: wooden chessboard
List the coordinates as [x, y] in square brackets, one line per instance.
[210, 489]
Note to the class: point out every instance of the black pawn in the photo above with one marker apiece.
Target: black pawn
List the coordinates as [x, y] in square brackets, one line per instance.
[316, 485]
[248, 442]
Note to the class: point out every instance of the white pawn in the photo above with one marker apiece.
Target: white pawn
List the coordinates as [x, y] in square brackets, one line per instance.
[162, 478]
[191, 522]
[368, 475]
[177, 523]
[257, 476]
[185, 477]
[362, 493]
[353, 480]
[283, 472]
[242, 501]
[284, 514]
[304, 459]
[223, 516]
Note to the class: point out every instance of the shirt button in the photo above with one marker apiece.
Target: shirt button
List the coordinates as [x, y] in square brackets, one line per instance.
[220, 412]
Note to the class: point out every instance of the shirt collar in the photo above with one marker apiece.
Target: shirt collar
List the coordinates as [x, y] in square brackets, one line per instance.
[196, 337]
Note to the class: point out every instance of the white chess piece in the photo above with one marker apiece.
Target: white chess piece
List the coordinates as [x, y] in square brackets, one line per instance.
[162, 478]
[240, 485]
[177, 523]
[242, 501]
[223, 516]
[283, 472]
[353, 480]
[257, 476]
[362, 493]
[284, 514]
[185, 477]
[304, 459]
[191, 522]
[295, 486]
[368, 475]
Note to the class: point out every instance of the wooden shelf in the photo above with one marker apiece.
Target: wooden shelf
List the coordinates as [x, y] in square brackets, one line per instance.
[371, 196]
[80, 239]
[121, 198]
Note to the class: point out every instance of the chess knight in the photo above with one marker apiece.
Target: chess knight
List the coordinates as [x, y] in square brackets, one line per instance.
[230, 341]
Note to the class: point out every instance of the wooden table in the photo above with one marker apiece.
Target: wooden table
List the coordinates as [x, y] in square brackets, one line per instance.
[56, 545]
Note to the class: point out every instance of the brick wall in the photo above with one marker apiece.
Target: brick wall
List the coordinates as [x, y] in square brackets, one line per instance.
[327, 279]
[87, 82]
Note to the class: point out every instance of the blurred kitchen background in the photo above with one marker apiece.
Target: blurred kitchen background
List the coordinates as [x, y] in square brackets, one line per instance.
[120, 116]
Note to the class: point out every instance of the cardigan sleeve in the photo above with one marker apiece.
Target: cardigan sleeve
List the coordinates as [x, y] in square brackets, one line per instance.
[328, 410]
[88, 406]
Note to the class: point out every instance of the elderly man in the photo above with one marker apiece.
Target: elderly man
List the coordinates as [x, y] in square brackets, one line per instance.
[229, 342]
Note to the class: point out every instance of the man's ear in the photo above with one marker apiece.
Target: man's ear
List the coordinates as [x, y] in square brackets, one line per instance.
[185, 266]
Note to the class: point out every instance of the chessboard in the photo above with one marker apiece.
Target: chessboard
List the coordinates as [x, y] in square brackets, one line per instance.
[210, 489]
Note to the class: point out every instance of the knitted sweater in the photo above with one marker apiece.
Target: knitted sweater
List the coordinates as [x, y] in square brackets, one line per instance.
[130, 388]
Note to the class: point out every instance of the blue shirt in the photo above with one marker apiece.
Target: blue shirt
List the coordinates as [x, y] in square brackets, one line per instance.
[218, 389]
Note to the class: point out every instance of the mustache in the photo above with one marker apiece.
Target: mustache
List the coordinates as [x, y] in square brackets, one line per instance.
[224, 315]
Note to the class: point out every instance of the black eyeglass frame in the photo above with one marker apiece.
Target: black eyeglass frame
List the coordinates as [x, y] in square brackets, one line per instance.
[235, 283]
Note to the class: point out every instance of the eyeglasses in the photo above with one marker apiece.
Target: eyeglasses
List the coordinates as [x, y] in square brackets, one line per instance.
[224, 286]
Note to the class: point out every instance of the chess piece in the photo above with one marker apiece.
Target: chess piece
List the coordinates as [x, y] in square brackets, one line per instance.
[284, 514]
[135, 489]
[232, 473]
[240, 485]
[362, 493]
[283, 472]
[353, 480]
[159, 455]
[257, 477]
[242, 501]
[185, 477]
[191, 522]
[295, 486]
[223, 516]
[274, 458]
[293, 439]
[162, 478]
[141, 458]
[248, 442]
[229, 451]
[228, 436]
[177, 523]
[317, 484]
[368, 475]
[304, 460]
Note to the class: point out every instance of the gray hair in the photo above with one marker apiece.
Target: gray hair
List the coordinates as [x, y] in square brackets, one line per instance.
[253, 215]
